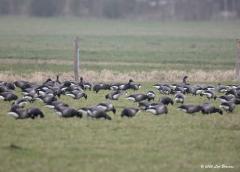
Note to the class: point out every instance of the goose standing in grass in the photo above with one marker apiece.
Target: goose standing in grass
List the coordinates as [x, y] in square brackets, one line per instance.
[141, 97]
[101, 86]
[158, 109]
[166, 100]
[19, 113]
[190, 108]
[106, 107]
[228, 106]
[129, 112]
[76, 94]
[209, 94]
[67, 112]
[8, 96]
[114, 95]
[179, 98]
[207, 108]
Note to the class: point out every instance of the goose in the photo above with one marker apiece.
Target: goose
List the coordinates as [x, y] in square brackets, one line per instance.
[129, 112]
[158, 110]
[209, 94]
[84, 85]
[114, 95]
[21, 102]
[18, 113]
[166, 101]
[190, 108]
[3, 89]
[185, 80]
[228, 106]
[207, 108]
[8, 96]
[67, 112]
[35, 112]
[165, 89]
[98, 114]
[101, 86]
[22, 84]
[106, 107]
[179, 98]
[77, 94]
[140, 97]
[226, 98]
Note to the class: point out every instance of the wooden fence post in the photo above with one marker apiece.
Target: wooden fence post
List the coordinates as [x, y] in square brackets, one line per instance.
[238, 60]
[76, 59]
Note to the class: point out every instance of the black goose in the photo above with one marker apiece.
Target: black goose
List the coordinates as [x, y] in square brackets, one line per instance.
[207, 108]
[106, 107]
[185, 80]
[179, 98]
[21, 102]
[209, 94]
[35, 112]
[77, 94]
[18, 113]
[190, 108]
[8, 96]
[67, 112]
[158, 109]
[166, 101]
[101, 86]
[85, 85]
[114, 95]
[98, 113]
[140, 97]
[228, 106]
[129, 112]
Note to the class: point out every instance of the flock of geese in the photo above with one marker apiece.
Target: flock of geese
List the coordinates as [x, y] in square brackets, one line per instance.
[50, 92]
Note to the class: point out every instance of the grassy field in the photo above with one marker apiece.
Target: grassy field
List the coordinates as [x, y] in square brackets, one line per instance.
[175, 142]
[167, 45]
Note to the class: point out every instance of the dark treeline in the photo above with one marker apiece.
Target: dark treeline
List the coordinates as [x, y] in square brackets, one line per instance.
[148, 9]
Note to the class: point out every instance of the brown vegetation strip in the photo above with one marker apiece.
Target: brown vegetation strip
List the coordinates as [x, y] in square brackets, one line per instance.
[112, 76]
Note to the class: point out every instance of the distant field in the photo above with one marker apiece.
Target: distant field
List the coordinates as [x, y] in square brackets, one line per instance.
[122, 46]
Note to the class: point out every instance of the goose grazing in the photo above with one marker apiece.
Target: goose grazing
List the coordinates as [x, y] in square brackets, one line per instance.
[106, 107]
[21, 102]
[34, 113]
[129, 112]
[209, 94]
[114, 95]
[140, 97]
[158, 109]
[190, 108]
[18, 113]
[228, 106]
[101, 86]
[166, 101]
[207, 108]
[67, 112]
[8, 96]
[98, 113]
[179, 98]
[75, 94]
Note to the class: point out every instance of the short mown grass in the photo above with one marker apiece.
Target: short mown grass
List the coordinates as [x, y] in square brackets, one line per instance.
[172, 45]
[173, 142]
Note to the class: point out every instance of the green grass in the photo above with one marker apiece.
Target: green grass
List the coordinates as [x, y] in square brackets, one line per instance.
[175, 142]
[180, 45]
